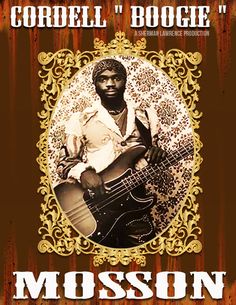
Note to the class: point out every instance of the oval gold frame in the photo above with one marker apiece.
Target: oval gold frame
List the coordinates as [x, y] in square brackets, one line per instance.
[56, 231]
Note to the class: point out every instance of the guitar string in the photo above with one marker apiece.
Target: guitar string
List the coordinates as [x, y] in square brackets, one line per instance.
[147, 169]
[108, 201]
[122, 187]
[83, 216]
[166, 160]
[122, 193]
[135, 175]
[119, 184]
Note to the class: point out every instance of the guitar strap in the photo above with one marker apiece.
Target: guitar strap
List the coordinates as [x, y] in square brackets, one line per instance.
[145, 132]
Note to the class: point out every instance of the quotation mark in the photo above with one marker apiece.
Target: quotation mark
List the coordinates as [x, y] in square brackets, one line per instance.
[118, 9]
[222, 9]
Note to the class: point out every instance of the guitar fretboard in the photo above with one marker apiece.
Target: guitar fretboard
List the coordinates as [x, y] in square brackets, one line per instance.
[151, 171]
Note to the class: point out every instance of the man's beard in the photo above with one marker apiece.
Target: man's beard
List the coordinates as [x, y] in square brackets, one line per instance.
[111, 102]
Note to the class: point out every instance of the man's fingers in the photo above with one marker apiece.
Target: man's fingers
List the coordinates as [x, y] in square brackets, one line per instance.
[84, 184]
[159, 155]
[149, 153]
[92, 181]
[164, 154]
[99, 189]
[155, 154]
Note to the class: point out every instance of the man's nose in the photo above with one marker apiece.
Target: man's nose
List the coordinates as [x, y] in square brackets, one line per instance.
[110, 82]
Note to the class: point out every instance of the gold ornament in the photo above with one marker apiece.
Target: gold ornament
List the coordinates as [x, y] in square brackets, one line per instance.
[56, 231]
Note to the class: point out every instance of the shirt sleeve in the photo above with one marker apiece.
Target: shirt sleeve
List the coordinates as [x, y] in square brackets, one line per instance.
[75, 145]
[153, 123]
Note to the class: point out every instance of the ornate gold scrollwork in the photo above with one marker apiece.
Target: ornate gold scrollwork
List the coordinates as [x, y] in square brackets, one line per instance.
[56, 232]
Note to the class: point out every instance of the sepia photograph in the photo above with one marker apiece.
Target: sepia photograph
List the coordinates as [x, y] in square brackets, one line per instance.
[120, 151]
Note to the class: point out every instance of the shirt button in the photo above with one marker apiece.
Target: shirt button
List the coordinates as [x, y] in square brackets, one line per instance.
[123, 143]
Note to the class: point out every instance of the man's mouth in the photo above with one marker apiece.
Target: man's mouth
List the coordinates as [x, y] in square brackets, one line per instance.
[111, 92]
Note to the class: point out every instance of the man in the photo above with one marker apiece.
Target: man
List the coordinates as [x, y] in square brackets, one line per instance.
[96, 137]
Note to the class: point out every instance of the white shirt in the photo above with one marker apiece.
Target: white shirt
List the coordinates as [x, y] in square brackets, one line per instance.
[94, 135]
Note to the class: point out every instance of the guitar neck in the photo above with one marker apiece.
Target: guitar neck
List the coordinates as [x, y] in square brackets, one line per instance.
[151, 171]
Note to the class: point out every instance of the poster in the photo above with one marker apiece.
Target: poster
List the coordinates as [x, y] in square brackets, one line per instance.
[207, 37]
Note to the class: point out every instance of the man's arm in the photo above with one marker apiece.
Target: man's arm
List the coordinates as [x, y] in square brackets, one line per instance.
[155, 154]
[70, 160]
[71, 165]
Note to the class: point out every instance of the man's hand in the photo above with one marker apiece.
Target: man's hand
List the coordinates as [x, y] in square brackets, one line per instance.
[92, 181]
[155, 155]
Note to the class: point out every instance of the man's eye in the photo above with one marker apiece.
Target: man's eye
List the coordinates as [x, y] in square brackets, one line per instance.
[101, 79]
[118, 78]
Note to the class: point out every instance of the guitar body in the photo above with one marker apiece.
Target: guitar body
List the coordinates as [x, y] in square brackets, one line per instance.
[98, 217]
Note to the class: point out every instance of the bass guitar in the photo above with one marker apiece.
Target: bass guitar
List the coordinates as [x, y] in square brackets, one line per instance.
[95, 217]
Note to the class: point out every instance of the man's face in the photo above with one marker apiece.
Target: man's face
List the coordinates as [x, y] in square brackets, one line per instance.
[110, 85]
